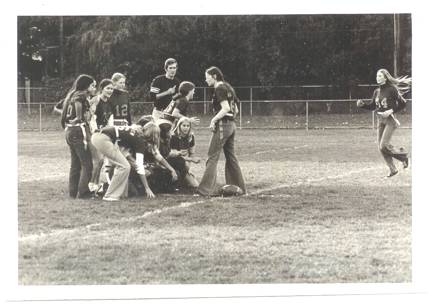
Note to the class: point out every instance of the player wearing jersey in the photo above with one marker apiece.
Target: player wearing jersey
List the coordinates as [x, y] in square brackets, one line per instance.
[119, 101]
[74, 119]
[223, 130]
[179, 105]
[101, 117]
[387, 100]
[183, 146]
[106, 142]
[163, 87]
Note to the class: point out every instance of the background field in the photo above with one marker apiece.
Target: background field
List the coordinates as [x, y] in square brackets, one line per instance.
[319, 210]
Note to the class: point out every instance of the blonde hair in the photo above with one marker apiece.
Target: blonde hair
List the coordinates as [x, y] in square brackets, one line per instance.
[151, 133]
[117, 76]
[402, 84]
[177, 128]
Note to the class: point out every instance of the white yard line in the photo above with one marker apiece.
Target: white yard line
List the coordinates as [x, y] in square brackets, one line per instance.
[65, 232]
[274, 150]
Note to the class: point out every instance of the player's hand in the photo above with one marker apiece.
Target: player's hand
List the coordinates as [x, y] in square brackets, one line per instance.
[174, 175]
[195, 160]
[175, 152]
[172, 90]
[194, 120]
[360, 103]
[213, 126]
[150, 193]
[387, 113]
[184, 152]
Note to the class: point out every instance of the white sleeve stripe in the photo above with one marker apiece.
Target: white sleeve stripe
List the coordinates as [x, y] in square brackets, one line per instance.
[139, 163]
[154, 90]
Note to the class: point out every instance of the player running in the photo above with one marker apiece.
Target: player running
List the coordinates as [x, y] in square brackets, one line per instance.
[387, 100]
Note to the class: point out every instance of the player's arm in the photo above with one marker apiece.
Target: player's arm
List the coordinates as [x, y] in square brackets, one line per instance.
[368, 105]
[139, 166]
[79, 113]
[165, 164]
[58, 108]
[170, 91]
[400, 102]
[191, 155]
[225, 108]
[177, 114]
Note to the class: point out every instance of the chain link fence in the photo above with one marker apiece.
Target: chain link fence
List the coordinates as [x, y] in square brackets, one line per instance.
[289, 107]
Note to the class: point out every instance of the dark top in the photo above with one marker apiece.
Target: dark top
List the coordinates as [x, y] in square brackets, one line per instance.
[181, 103]
[103, 112]
[71, 112]
[180, 143]
[160, 84]
[384, 98]
[120, 106]
[224, 92]
[128, 138]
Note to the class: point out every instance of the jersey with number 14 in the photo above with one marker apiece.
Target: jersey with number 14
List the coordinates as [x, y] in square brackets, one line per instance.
[120, 105]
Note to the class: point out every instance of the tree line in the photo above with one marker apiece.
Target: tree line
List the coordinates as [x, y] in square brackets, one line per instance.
[267, 50]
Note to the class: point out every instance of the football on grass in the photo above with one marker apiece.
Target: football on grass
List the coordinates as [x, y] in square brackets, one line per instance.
[231, 190]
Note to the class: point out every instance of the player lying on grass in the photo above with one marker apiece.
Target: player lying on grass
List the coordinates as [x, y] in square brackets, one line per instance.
[387, 100]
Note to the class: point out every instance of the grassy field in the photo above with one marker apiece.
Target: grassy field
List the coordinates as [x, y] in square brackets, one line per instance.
[319, 210]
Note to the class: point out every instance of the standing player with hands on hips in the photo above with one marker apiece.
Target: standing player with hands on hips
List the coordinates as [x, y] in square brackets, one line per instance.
[387, 100]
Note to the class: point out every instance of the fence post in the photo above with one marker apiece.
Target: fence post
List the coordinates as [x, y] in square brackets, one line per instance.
[240, 111]
[40, 117]
[251, 99]
[205, 102]
[27, 94]
[307, 116]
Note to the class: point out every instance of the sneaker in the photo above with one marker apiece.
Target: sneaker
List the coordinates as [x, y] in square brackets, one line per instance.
[110, 199]
[392, 173]
[92, 187]
[405, 163]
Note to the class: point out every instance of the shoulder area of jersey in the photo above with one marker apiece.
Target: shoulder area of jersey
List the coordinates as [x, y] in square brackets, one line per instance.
[119, 91]
[231, 190]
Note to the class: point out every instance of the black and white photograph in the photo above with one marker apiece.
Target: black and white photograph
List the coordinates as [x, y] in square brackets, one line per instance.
[191, 155]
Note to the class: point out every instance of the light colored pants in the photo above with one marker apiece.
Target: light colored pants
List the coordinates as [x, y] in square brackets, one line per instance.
[386, 128]
[222, 138]
[119, 182]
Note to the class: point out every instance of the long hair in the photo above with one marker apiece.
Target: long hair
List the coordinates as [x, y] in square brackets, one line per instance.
[151, 134]
[214, 71]
[81, 84]
[402, 84]
[177, 131]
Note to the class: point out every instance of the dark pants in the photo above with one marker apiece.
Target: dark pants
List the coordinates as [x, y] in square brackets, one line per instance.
[81, 166]
[386, 128]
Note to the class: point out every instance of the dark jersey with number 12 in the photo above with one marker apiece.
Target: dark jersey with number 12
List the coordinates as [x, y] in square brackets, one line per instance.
[120, 106]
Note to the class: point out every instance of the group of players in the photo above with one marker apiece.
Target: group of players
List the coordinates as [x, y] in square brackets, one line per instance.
[114, 158]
